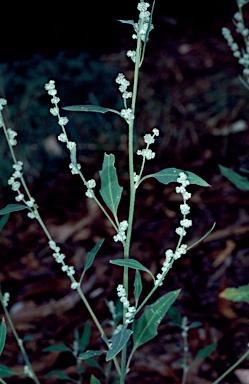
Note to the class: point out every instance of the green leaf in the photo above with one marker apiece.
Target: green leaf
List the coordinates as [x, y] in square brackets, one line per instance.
[86, 355]
[110, 189]
[28, 338]
[118, 342]
[169, 175]
[204, 352]
[131, 263]
[85, 337]
[239, 181]
[127, 22]
[2, 335]
[12, 208]
[236, 294]
[57, 347]
[94, 380]
[195, 324]
[60, 374]
[176, 318]
[2, 381]
[4, 220]
[6, 371]
[145, 328]
[137, 286]
[90, 108]
[90, 257]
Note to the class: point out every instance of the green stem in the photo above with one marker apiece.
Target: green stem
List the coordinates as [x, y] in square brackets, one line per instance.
[19, 342]
[98, 325]
[243, 357]
[132, 195]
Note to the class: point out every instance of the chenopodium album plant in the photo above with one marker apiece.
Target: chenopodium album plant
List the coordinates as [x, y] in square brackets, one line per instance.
[139, 320]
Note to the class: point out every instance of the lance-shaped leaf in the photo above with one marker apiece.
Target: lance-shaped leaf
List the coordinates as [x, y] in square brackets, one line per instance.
[145, 328]
[2, 335]
[169, 175]
[94, 380]
[239, 181]
[90, 108]
[127, 22]
[118, 342]
[110, 189]
[57, 347]
[12, 208]
[60, 374]
[4, 220]
[86, 355]
[137, 287]
[131, 263]
[204, 352]
[236, 294]
[90, 257]
[6, 371]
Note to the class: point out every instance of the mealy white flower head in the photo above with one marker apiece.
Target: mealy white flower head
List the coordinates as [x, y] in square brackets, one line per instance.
[3, 102]
[181, 249]
[6, 298]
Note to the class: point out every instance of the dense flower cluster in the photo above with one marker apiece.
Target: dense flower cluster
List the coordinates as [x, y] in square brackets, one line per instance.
[242, 54]
[5, 299]
[62, 121]
[131, 310]
[59, 258]
[121, 236]
[124, 84]
[141, 28]
[181, 249]
[149, 139]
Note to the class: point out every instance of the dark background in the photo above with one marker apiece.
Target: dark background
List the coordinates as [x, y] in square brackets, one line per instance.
[28, 28]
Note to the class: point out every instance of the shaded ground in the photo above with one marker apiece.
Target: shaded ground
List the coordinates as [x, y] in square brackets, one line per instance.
[193, 96]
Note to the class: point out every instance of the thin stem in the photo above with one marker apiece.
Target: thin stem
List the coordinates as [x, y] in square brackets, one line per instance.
[19, 342]
[132, 195]
[243, 357]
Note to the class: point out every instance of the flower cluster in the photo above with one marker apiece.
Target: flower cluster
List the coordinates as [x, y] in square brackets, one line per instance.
[124, 84]
[131, 310]
[11, 136]
[149, 139]
[59, 258]
[141, 28]
[121, 236]
[3, 102]
[62, 121]
[242, 54]
[5, 299]
[15, 183]
[90, 185]
[181, 249]
[127, 114]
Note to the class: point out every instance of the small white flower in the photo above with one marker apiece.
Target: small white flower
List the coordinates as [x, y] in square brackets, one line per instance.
[180, 231]
[149, 139]
[186, 223]
[132, 54]
[91, 183]
[155, 131]
[63, 120]
[62, 137]
[127, 114]
[75, 285]
[6, 298]
[54, 111]
[89, 193]
[185, 209]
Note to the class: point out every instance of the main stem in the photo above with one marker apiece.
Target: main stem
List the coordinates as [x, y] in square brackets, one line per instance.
[132, 194]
